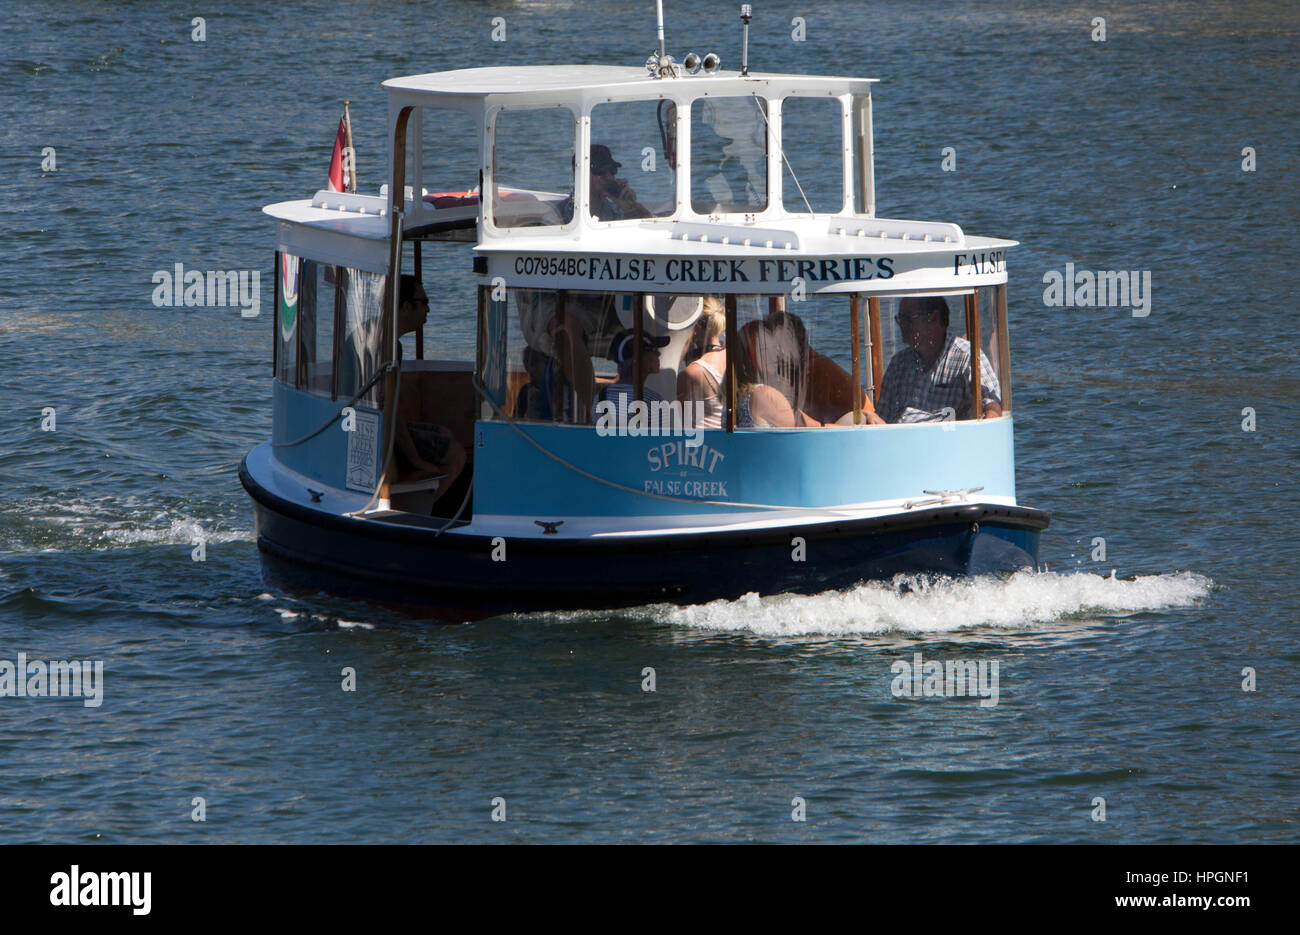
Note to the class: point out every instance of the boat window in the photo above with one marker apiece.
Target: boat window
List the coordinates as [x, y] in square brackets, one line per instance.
[532, 167]
[314, 368]
[633, 160]
[560, 350]
[794, 365]
[287, 333]
[728, 155]
[812, 144]
[927, 357]
[361, 342]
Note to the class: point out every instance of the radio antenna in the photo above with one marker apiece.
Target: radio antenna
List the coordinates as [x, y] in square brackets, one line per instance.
[746, 11]
[659, 10]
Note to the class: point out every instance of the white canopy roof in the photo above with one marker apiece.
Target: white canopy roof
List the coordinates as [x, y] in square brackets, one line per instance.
[556, 80]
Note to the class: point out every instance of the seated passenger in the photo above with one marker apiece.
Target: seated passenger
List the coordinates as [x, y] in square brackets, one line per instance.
[701, 380]
[569, 341]
[933, 372]
[770, 367]
[826, 398]
[622, 392]
[528, 404]
[421, 448]
[611, 198]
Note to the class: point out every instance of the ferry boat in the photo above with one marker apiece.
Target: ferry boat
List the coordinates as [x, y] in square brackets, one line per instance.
[684, 358]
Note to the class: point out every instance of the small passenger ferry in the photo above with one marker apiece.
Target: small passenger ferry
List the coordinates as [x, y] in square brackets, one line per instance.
[682, 360]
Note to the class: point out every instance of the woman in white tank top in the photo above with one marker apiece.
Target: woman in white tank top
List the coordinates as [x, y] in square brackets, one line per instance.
[702, 380]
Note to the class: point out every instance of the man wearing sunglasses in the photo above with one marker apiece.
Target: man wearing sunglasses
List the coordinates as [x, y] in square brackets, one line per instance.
[612, 199]
[932, 374]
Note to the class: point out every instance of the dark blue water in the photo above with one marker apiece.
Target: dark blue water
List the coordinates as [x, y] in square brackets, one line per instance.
[1117, 155]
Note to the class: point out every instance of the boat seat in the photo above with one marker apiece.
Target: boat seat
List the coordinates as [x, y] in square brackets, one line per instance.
[416, 496]
[412, 486]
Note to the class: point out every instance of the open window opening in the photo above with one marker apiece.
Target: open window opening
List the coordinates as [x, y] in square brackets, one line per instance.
[433, 449]
[449, 154]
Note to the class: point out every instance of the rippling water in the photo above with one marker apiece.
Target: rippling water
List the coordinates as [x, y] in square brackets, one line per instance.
[1120, 679]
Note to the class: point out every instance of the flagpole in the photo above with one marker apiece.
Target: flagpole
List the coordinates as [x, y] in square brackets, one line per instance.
[352, 153]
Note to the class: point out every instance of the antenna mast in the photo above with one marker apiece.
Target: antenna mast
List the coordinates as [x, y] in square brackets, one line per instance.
[659, 9]
[746, 11]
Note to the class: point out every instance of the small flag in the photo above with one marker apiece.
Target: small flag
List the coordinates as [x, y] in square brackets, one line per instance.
[339, 161]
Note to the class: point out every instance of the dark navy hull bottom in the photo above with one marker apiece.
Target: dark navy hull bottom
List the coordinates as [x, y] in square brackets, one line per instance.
[455, 577]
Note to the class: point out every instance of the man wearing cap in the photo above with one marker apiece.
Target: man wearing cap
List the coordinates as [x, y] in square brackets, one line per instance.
[623, 351]
[612, 199]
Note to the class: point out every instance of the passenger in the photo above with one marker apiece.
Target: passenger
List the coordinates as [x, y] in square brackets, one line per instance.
[584, 331]
[701, 380]
[768, 368]
[622, 392]
[568, 382]
[611, 198]
[528, 403]
[933, 372]
[421, 448]
[825, 395]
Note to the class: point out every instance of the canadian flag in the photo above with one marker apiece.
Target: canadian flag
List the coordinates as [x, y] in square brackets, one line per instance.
[339, 162]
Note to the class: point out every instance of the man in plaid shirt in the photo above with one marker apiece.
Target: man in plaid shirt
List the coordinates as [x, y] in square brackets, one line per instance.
[933, 373]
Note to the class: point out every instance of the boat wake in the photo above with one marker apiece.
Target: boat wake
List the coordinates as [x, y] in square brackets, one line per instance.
[110, 522]
[916, 605]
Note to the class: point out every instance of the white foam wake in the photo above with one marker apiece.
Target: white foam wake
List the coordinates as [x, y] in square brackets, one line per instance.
[909, 605]
[73, 524]
[180, 530]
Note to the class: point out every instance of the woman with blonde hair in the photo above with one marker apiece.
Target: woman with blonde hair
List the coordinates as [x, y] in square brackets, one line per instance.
[701, 381]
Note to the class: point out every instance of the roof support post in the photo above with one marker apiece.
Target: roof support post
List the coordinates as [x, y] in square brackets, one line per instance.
[638, 333]
[877, 354]
[973, 335]
[1004, 347]
[856, 344]
[733, 348]
[419, 331]
[388, 352]
[865, 156]
[846, 153]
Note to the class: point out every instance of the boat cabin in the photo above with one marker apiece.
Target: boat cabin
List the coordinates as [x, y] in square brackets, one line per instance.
[614, 228]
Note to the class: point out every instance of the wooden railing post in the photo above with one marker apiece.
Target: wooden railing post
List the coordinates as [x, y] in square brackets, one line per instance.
[856, 344]
[973, 336]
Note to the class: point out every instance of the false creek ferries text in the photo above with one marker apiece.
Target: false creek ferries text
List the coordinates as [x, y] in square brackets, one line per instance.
[744, 270]
[648, 269]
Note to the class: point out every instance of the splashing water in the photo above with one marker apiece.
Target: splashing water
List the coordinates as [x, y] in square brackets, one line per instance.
[917, 605]
[109, 522]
